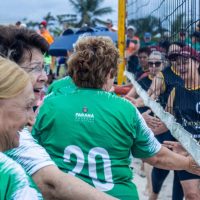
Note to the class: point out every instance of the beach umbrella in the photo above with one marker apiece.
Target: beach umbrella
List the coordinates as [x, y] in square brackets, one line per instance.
[64, 43]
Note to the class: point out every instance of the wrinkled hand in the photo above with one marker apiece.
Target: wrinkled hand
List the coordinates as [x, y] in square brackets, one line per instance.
[154, 123]
[176, 147]
[193, 167]
[160, 129]
[151, 121]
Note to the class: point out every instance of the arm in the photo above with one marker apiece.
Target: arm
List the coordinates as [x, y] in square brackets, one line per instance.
[166, 159]
[157, 87]
[145, 146]
[170, 102]
[132, 93]
[54, 184]
[175, 147]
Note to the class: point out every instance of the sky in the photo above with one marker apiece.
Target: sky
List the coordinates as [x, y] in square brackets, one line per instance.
[12, 11]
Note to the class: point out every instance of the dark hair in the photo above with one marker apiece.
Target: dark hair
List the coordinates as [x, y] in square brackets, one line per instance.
[93, 59]
[164, 44]
[146, 50]
[18, 23]
[15, 41]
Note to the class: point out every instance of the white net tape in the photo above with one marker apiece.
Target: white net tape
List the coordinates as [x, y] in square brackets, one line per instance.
[178, 132]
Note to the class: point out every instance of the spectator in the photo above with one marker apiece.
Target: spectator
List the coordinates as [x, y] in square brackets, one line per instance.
[147, 40]
[132, 46]
[155, 65]
[187, 114]
[109, 24]
[182, 36]
[132, 41]
[195, 42]
[44, 32]
[20, 25]
[143, 55]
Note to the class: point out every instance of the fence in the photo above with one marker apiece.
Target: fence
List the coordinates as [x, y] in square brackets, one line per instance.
[172, 21]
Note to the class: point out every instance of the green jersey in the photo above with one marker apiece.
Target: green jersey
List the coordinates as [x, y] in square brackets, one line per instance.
[58, 84]
[14, 183]
[91, 134]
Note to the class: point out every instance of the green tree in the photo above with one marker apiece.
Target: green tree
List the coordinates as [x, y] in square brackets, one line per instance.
[179, 23]
[49, 18]
[90, 11]
[30, 24]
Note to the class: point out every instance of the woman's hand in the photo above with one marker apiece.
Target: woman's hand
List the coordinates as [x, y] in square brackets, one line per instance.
[176, 147]
[193, 167]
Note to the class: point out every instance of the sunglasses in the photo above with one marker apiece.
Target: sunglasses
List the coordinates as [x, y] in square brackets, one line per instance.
[176, 58]
[157, 64]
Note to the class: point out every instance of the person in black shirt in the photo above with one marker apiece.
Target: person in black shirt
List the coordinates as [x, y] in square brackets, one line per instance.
[184, 103]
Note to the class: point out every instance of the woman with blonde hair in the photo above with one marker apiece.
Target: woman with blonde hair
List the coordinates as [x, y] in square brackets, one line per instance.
[16, 100]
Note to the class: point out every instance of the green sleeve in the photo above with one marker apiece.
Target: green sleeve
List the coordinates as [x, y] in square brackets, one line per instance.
[145, 144]
[49, 89]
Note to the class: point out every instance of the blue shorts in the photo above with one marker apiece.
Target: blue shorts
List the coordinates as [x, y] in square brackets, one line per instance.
[184, 175]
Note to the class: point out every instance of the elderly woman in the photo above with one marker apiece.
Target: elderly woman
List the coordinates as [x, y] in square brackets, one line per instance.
[16, 101]
[26, 48]
[90, 132]
[155, 65]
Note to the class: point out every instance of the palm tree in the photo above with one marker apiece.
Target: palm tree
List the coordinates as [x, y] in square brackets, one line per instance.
[30, 24]
[49, 18]
[180, 22]
[90, 11]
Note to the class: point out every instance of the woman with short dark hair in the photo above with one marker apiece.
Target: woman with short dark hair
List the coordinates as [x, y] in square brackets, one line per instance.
[91, 133]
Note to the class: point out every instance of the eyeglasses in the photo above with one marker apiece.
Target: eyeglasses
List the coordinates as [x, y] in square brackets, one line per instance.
[157, 64]
[35, 69]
